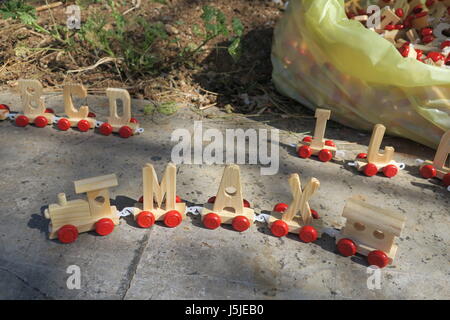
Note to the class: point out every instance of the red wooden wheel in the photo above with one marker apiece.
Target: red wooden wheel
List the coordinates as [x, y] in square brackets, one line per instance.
[40, 121]
[22, 121]
[173, 218]
[308, 234]
[212, 199]
[390, 171]
[125, 132]
[83, 125]
[212, 221]
[63, 124]
[134, 120]
[279, 228]
[370, 170]
[325, 155]
[68, 233]
[378, 258]
[240, 223]
[4, 107]
[104, 226]
[307, 139]
[49, 110]
[330, 143]
[281, 207]
[446, 180]
[428, 171]
[246, 204]
[91, 115]
[361, 156]
[346, 247]
[305, 152]
[145, 219]
[106, 129]
[314, 214]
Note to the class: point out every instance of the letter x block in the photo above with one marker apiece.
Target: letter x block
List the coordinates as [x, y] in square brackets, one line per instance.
[297, 218]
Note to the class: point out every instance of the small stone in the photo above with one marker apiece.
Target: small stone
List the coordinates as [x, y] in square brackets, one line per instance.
[171, 29]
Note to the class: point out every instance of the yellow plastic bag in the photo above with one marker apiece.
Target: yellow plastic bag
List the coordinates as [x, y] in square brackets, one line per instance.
[323, 59]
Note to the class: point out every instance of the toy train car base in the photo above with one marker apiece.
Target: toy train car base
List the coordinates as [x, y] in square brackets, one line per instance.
[34, 111]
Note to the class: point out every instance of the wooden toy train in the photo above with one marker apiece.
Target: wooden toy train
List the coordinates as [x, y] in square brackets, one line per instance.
[369, 163]
[374, 161]
[34, 111]
[369, 231]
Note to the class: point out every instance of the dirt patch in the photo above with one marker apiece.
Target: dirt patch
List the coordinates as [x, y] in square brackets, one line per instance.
[210, 78]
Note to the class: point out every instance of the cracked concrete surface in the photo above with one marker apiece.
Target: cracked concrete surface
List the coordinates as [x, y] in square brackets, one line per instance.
[191, 261]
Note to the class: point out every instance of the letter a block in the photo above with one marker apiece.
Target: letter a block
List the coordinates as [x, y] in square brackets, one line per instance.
[228, 205]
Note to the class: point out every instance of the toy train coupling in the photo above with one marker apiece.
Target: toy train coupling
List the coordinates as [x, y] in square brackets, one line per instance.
[125, 212]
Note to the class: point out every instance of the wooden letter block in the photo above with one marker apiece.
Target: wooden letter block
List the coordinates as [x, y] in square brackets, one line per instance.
[120, 123]
[228, 205]
[297, 218]
[325, 150]
[159, 200]
[75, 117]
[438, 167]
[31, 92]
[375, 161]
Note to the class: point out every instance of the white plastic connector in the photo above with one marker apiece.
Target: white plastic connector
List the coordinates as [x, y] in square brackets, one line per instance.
[139, 130]
[56, 119]
[262, 217]
[126, 212]
[12, 116]
[419, 161]
[194, 210]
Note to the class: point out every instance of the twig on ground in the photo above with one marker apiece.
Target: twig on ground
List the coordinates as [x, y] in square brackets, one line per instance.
[99, 62]
[49, 6]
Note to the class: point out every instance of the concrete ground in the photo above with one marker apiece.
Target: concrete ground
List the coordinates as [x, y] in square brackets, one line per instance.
[191, 262]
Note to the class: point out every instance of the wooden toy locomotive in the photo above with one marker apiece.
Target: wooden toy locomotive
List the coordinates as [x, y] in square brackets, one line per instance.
[69, 218]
